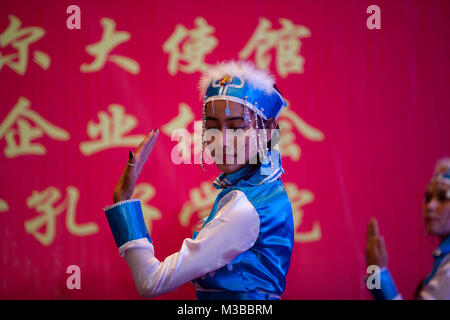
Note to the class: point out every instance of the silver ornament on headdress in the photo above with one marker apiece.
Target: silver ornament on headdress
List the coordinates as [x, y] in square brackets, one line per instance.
[245, 109]
[203, 132]
[227, 110]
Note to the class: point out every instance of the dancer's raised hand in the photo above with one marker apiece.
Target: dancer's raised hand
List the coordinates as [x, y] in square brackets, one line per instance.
[376, 253]
[125, 187]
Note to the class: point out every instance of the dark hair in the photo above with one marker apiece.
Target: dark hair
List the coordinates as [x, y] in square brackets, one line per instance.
[275, 87]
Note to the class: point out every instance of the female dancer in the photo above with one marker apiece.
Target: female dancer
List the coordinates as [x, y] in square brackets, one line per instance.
[243, 249]
[436, 214]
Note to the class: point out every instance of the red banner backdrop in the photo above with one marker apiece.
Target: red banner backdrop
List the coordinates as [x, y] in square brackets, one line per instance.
[367, 118]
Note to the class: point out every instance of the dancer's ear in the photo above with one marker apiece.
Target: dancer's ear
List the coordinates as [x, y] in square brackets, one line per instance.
[271, 124]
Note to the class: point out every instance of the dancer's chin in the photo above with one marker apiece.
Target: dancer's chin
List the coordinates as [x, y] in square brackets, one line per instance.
[229, 168]
[233, 163]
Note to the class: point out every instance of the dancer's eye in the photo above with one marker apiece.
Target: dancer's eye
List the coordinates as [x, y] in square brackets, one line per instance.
[428, 196]
[442, 195]
[243, 126]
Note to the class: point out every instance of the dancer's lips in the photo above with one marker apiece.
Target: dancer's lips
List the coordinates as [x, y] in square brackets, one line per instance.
[429, 220]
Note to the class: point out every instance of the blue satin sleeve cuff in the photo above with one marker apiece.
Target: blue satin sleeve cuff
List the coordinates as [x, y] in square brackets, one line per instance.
[387, 290]
[126, 222]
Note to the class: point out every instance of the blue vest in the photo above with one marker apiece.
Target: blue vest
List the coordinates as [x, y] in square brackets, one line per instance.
[260, 272]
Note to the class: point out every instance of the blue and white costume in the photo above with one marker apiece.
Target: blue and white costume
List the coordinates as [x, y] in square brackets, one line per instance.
[437, 285]
[243, 249]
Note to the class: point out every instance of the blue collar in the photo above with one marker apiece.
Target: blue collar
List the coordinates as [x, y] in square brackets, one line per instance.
[251, 175]
[438, 255]
[443, 248]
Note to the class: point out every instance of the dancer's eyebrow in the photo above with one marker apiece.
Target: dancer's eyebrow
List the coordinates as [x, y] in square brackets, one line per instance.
[234, 118]
[229, 119]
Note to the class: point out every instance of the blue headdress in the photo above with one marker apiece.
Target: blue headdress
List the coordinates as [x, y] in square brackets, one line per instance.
[242, 82]
[442, 171]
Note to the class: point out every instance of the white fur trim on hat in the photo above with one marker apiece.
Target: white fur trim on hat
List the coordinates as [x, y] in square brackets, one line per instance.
[442, 164]
[257, 78]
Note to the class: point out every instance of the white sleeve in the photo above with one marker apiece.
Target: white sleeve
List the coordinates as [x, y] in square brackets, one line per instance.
[233, 230]
[438, 288]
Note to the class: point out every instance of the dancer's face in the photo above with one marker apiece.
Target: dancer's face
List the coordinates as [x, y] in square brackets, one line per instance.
[436, 209]
[239, 150]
